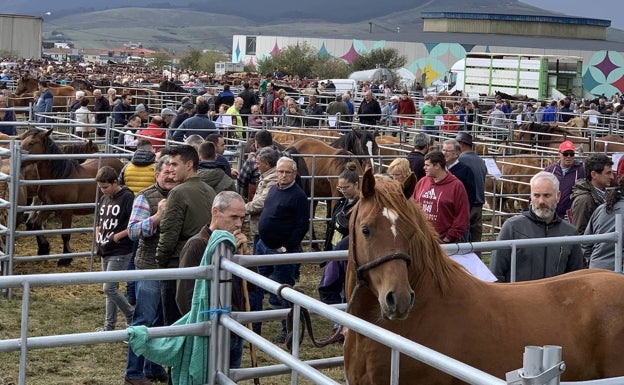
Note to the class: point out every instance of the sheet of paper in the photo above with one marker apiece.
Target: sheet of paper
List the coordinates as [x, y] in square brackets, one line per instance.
[492, 168]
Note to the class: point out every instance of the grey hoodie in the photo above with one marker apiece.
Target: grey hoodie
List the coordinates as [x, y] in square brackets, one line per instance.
[539, 261]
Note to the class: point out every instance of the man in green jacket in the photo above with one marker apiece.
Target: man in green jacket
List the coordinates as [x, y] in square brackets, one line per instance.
[188, 210]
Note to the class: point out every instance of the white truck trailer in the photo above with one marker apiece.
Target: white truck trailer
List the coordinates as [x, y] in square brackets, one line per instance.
[539, 77]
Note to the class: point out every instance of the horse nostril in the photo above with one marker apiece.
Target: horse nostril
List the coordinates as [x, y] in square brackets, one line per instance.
[412, 298]
[390, 301]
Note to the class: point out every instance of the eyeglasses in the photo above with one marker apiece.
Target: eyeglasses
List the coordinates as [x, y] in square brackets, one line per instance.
[287, 172]
[567, 154]
[343, 188]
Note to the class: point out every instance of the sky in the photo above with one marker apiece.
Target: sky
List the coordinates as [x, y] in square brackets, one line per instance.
[599, 9]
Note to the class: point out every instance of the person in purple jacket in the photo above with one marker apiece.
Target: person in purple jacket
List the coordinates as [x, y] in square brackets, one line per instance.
[567, 170]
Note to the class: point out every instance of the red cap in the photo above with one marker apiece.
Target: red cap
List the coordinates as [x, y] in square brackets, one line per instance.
[567, 146]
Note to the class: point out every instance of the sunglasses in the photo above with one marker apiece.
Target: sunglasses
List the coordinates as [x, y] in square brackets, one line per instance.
[567, 154]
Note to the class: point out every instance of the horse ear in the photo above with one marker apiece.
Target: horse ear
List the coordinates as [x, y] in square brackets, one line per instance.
[409, 185]
[368, 183]
[49, 132]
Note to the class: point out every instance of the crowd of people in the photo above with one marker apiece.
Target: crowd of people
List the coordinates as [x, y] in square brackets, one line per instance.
[168, 202]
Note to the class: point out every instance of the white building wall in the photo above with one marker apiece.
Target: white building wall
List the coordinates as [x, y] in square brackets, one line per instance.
[21, 34]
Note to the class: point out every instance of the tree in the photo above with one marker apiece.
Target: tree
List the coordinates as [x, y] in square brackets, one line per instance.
[191, 59]
[209, 58]
[331, 68]
[160, 60]
[296, 60]
[198, 60]
[380, 57]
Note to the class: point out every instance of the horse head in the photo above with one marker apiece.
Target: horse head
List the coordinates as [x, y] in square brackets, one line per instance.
[22, 85]
[381, 247]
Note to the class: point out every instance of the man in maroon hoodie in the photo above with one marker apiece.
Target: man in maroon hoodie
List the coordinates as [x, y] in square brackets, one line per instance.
[443, 199]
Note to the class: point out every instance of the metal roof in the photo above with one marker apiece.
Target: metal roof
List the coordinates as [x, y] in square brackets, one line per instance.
[527, 18]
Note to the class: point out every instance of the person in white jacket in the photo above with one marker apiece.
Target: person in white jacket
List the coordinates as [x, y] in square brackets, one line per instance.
[85, 118]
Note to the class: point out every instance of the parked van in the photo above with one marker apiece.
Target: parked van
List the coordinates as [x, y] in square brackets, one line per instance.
[376, 75]
[342, 86]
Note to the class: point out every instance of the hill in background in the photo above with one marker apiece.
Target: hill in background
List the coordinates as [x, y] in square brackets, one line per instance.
[211, 24]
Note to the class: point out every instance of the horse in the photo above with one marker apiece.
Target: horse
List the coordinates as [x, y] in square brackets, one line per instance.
[82, 84]
[325, 169]
[82, 147]
[291, 136]
[40, 142]
[169, 86]
[549, 135]
[399, 278]
[358, 142]
[62, 94]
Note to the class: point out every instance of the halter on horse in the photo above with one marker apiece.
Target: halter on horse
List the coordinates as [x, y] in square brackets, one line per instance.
[399, 278]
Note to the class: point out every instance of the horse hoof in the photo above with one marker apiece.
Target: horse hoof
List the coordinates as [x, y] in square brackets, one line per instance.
[44, 251]
[64, 262]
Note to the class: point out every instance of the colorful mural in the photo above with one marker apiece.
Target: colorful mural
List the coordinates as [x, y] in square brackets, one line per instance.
[604, 74]
[603, 71]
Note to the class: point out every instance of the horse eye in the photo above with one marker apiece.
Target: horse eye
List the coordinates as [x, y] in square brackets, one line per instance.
[366, 231]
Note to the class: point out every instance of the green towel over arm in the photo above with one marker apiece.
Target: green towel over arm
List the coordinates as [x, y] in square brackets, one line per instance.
[186, 355]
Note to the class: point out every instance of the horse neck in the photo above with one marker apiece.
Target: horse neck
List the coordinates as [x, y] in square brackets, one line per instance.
[44, 170]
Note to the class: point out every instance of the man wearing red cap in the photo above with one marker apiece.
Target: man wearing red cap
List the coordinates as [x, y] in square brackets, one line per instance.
[567, 170]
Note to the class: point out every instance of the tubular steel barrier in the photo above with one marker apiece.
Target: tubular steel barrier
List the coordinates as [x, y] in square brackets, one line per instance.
[224, 265]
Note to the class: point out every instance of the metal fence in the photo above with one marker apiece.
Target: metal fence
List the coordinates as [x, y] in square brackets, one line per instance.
[223, 265]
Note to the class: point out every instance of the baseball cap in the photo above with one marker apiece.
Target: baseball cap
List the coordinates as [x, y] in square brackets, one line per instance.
[567, 146]
[167, 111]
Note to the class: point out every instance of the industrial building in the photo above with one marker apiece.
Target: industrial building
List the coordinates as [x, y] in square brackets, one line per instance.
[447, 37]
[21, 35]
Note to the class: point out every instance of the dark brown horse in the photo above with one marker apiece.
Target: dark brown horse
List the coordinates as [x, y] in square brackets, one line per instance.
[400, 279]
[40, 142]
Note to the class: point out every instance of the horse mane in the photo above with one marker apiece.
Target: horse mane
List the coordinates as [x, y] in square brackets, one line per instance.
[59, 167]
[80, 148]
[347, 141]
[427, 255]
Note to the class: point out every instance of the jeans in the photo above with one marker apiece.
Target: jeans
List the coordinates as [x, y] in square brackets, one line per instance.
[148, 312]
[171, 313]
[236, 351]
[331, 287]
[433, 131]
[279, 273]
[131, 286]
[114, 297]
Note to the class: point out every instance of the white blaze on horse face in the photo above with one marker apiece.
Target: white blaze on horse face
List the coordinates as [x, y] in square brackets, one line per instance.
[392, 217]
[369, 147]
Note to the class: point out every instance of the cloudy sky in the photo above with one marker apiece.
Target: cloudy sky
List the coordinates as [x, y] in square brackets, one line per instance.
[601, 9]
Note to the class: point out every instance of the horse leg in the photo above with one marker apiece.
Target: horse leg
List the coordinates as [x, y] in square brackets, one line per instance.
[66, 220]
[35, 223]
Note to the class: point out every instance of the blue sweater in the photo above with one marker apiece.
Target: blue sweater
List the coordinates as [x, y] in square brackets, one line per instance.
[285, 218]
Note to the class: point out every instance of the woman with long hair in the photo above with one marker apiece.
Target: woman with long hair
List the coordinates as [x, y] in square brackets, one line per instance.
[331, 287]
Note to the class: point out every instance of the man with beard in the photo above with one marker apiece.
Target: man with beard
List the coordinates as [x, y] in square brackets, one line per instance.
[540, 221]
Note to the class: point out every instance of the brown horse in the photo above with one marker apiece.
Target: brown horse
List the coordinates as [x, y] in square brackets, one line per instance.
[399, 278]
[40, 142]
[63, 95]
[324, 168]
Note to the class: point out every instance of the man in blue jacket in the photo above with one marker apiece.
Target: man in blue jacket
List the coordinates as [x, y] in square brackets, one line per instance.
[199, 124]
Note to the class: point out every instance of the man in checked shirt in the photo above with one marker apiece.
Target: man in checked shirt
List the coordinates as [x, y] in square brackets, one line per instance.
[147, 210]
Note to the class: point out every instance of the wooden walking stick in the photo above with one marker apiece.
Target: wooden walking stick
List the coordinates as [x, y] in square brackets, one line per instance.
[244, 249]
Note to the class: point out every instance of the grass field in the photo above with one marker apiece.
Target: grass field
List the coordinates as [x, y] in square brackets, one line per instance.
[76, 309]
